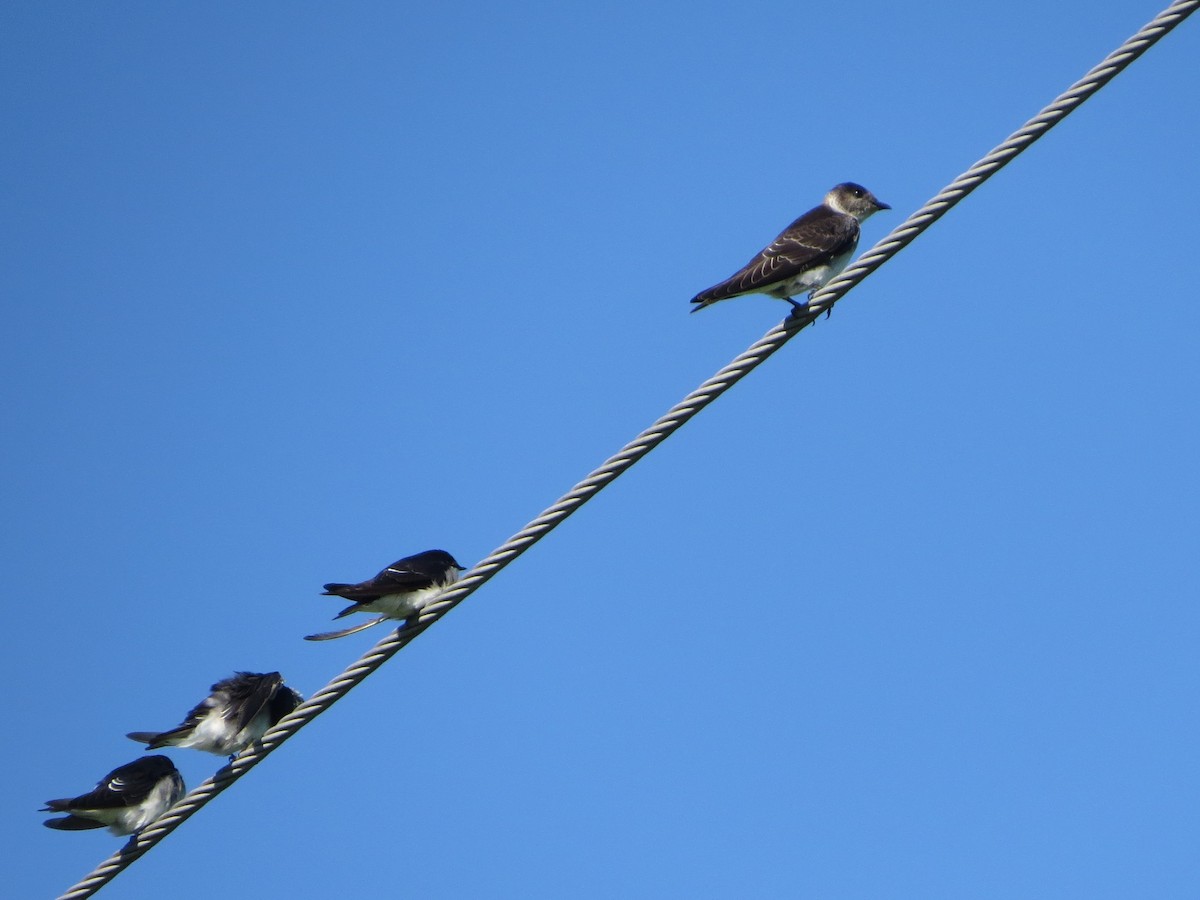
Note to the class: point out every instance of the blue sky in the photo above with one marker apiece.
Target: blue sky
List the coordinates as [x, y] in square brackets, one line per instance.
[290, 291]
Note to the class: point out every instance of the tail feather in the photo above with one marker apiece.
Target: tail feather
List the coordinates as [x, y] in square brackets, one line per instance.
[331, 635]
[155, 740]
[73, 823]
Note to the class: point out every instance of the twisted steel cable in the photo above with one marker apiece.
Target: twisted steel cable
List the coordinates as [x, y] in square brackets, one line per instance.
[667, 425]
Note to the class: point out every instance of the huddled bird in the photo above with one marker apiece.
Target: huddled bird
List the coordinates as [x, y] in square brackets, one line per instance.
[125, 801]
[237, 713]
[806, 255]
[400, 591]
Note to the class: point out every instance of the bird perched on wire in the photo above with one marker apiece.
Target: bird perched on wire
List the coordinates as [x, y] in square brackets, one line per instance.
[237, 713]
[125, 801]
[809, 252]
[400, 591]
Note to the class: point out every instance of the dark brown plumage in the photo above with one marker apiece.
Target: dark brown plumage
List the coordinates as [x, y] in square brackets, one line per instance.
[806, 255]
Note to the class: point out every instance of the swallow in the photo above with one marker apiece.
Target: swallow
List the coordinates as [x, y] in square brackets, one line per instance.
[400, 591]
[125, 801]
[806, 255]
[237, 713]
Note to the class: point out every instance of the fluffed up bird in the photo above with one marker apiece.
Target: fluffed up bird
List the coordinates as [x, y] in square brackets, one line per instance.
[237, 713]
[809, 252]
[400, 591]
[125, 801]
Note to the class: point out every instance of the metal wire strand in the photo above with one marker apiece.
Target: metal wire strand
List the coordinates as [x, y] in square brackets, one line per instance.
[674, 419]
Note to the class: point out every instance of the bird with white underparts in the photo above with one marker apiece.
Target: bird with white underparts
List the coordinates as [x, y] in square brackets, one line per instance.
[400, 591]
[124, 801]
[237, 713]
[806, 255]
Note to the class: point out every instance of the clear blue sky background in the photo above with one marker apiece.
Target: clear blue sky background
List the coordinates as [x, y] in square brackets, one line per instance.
[292, 290]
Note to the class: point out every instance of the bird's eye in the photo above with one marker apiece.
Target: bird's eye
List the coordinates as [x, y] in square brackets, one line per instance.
[858, 192]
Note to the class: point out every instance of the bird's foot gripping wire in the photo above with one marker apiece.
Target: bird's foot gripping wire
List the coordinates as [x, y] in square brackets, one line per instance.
[801, 310]
[804, 310]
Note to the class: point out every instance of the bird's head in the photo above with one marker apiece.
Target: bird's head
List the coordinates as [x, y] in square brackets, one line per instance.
[854, 200]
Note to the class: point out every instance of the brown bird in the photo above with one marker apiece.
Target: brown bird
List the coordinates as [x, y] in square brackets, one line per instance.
[809, 252]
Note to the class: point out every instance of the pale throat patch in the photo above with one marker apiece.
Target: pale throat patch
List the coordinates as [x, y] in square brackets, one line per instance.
[834, 202]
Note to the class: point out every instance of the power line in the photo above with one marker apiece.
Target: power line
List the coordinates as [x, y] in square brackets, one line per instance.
[664, 427]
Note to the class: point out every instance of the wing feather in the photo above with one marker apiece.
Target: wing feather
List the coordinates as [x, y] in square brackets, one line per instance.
[814, 239]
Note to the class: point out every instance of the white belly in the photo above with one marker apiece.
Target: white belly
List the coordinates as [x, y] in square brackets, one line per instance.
[162, 798]
[401, 606]
[812, 279]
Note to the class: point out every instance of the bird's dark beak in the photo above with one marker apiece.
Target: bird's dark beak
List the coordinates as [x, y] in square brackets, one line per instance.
[881, 204]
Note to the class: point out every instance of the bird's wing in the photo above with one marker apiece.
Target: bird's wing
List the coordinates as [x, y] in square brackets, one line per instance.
[331, 635]
[395, 579]
[125, 786]
[814, 239]
[249, 694]
[406, 576]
